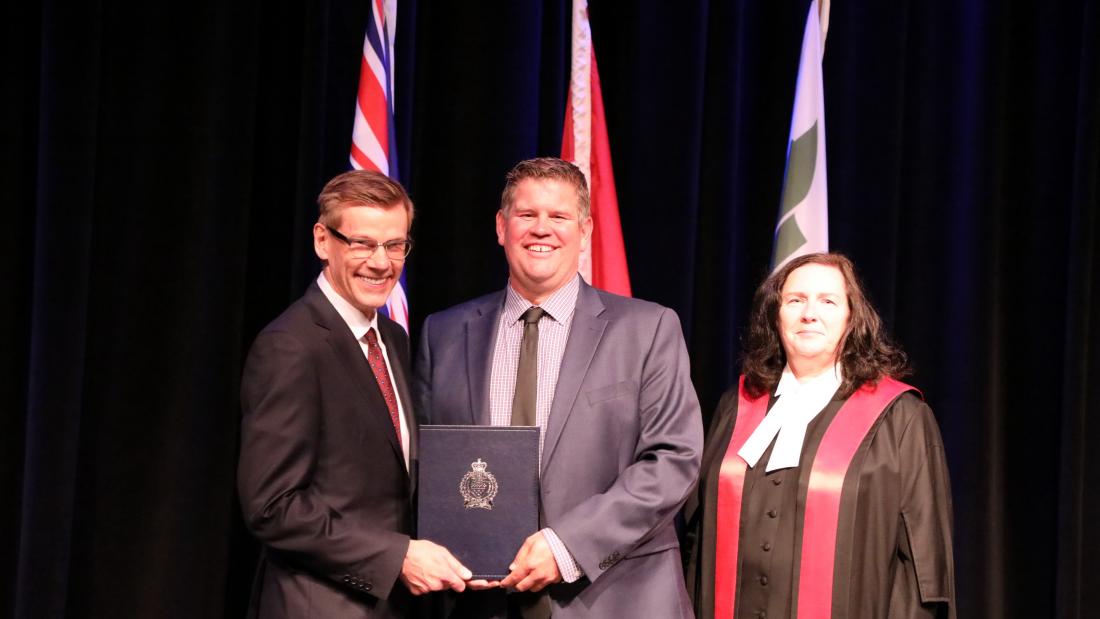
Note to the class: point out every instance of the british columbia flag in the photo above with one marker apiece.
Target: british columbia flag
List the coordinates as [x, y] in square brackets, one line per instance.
[373, 140]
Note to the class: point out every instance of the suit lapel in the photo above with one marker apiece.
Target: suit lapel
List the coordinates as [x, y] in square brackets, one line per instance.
[480, 339]
[350, 354]
[584, 337]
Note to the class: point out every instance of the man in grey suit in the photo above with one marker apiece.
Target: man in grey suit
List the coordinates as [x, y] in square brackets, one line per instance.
[611, 390]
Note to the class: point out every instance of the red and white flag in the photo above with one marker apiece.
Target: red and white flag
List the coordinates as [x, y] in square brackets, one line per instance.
[584, 142]
[373, 139]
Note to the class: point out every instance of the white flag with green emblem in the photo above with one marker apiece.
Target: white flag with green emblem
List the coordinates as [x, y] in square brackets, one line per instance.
[803, 226]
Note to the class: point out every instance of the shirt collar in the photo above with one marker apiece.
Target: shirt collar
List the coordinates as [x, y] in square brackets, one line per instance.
[559, 306]
[826, 382]
[356, 320]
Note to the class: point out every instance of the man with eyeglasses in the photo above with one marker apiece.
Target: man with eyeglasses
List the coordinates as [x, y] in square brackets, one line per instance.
[606, 379]
[327, 432]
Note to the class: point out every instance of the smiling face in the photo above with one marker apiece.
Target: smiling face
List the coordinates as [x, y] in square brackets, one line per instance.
[813, 317]
[543, 234]
[363, 282]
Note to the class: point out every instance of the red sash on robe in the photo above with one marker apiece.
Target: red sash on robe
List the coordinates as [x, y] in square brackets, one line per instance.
[847, 430]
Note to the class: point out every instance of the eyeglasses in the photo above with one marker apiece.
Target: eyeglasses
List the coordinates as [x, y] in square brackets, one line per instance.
[397, 249]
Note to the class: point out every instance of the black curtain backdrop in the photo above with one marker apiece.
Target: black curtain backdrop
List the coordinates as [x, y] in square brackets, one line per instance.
[158, 166]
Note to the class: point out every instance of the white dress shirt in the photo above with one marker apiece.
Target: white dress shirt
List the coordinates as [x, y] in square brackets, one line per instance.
[359, 324]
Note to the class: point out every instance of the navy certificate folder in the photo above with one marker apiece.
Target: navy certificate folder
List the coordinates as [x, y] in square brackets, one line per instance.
[478, 491]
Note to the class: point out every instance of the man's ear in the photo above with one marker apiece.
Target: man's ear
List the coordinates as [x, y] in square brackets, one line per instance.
[586, 232]
[320, 241]
[501, 221]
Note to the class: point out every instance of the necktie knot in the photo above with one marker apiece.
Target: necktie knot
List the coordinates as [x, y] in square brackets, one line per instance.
[372, 338]
[533, 314]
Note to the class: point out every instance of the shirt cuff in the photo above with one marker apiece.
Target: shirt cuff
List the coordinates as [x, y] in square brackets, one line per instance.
[570, 570]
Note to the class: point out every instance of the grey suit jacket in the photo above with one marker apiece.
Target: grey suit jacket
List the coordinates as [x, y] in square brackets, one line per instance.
[623, 441]
[322, 479]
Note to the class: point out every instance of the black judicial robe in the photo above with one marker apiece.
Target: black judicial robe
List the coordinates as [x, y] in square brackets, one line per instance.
[894, 556]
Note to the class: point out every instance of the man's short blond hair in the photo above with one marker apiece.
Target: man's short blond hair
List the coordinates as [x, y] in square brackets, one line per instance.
[360, 188]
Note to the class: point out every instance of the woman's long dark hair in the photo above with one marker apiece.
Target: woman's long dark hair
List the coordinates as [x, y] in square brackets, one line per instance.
[866, 352]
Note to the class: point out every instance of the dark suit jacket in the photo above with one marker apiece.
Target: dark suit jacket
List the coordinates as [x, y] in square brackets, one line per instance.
[322, 480]
[622, 449]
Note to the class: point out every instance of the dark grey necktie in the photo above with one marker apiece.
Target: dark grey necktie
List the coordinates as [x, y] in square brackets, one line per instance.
[527, 379]
[528, 605]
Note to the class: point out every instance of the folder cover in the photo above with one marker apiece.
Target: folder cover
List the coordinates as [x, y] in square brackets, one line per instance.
[478, 490]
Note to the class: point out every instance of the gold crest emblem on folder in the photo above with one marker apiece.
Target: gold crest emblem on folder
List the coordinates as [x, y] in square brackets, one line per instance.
[478, 486]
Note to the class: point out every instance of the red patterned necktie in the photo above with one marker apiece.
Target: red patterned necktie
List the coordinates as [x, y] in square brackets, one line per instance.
[378, 366]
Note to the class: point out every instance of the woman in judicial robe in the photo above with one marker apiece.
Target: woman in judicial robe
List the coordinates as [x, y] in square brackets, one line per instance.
[824, 488]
